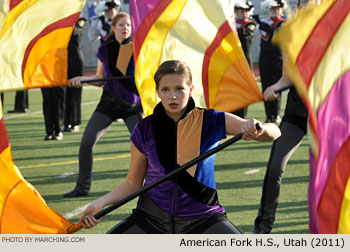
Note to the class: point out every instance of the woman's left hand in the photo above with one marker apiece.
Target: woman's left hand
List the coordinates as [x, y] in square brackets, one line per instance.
[250, 131]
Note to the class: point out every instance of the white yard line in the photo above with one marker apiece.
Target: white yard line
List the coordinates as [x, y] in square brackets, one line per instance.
[75, 212]
[65, 175]
[253, 171]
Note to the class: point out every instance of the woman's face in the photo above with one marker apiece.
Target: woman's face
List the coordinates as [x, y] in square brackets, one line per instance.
[122, 29]
[174, 94]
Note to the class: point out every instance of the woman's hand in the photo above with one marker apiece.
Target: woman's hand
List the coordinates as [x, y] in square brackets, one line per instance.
[87, 217]
[269, 94]
[250, 131]
[76, 81]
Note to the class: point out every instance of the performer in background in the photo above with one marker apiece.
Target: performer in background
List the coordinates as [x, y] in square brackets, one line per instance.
[72, 118]
[245, 29]
[100, 25]
[53, 108]
[270, 58]
[119, 99]
[21, 102]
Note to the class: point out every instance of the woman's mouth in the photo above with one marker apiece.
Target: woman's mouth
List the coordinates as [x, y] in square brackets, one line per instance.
[173, 105]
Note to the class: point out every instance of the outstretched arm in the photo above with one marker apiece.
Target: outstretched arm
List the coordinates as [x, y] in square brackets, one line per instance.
[132, 183]
[236, 125]
[78, 81]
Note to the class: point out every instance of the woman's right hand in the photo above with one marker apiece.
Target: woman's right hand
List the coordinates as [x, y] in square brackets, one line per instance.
[87, 218]
[269, 94]
[76, 81]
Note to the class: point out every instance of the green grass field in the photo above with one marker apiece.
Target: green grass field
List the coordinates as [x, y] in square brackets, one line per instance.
[52, 166]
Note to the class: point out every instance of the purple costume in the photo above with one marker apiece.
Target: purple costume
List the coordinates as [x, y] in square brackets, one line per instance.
[189, 202]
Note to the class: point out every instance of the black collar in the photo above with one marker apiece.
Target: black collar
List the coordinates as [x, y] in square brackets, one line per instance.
[112, 39]
[159, 110]
[165, 134]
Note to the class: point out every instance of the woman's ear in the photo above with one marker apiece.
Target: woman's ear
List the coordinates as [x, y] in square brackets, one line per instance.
[191, 89]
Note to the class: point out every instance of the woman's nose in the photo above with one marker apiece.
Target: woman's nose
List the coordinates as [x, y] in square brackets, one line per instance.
[172, 95]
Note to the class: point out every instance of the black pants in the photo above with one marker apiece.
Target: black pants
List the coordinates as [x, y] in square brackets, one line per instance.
[216, 224]
[73, 95]
[53, 107]
[270, 72]
[105, 113]
[282, 150]
[73, 106]
[21, 100]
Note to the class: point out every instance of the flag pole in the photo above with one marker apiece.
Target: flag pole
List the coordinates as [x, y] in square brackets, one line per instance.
[165, 177]
[108, 79]
[170, 175]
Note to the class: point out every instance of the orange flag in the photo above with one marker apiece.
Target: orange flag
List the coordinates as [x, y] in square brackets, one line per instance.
[22, 209]
[34, 36]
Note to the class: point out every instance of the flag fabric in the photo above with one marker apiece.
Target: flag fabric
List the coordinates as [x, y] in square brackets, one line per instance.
[34, 36]
[202, 34]
[22, 209]
[318, 62]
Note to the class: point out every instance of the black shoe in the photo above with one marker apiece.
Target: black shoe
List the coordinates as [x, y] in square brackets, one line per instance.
[17, 111]
[67, 129]
[75, 193]
[48, 137]
[58, 136]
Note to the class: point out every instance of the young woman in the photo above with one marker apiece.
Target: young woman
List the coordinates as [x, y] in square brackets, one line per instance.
[174, 134]
[245, 29]
[120, 98]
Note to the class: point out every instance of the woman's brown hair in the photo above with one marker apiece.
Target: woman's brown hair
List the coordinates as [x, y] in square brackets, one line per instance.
[173, 67]
[117, 17]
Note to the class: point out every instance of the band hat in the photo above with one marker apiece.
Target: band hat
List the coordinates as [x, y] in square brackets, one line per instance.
[244, 5]
[103, 6]
[113, 4]
[268, 4]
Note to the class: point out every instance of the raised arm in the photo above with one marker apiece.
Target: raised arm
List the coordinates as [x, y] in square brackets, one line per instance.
[236, 125]
[132, 183]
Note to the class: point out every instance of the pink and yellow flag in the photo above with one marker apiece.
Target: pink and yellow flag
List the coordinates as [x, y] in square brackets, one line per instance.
[34, 36]
[319, 66]
[201, 33]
